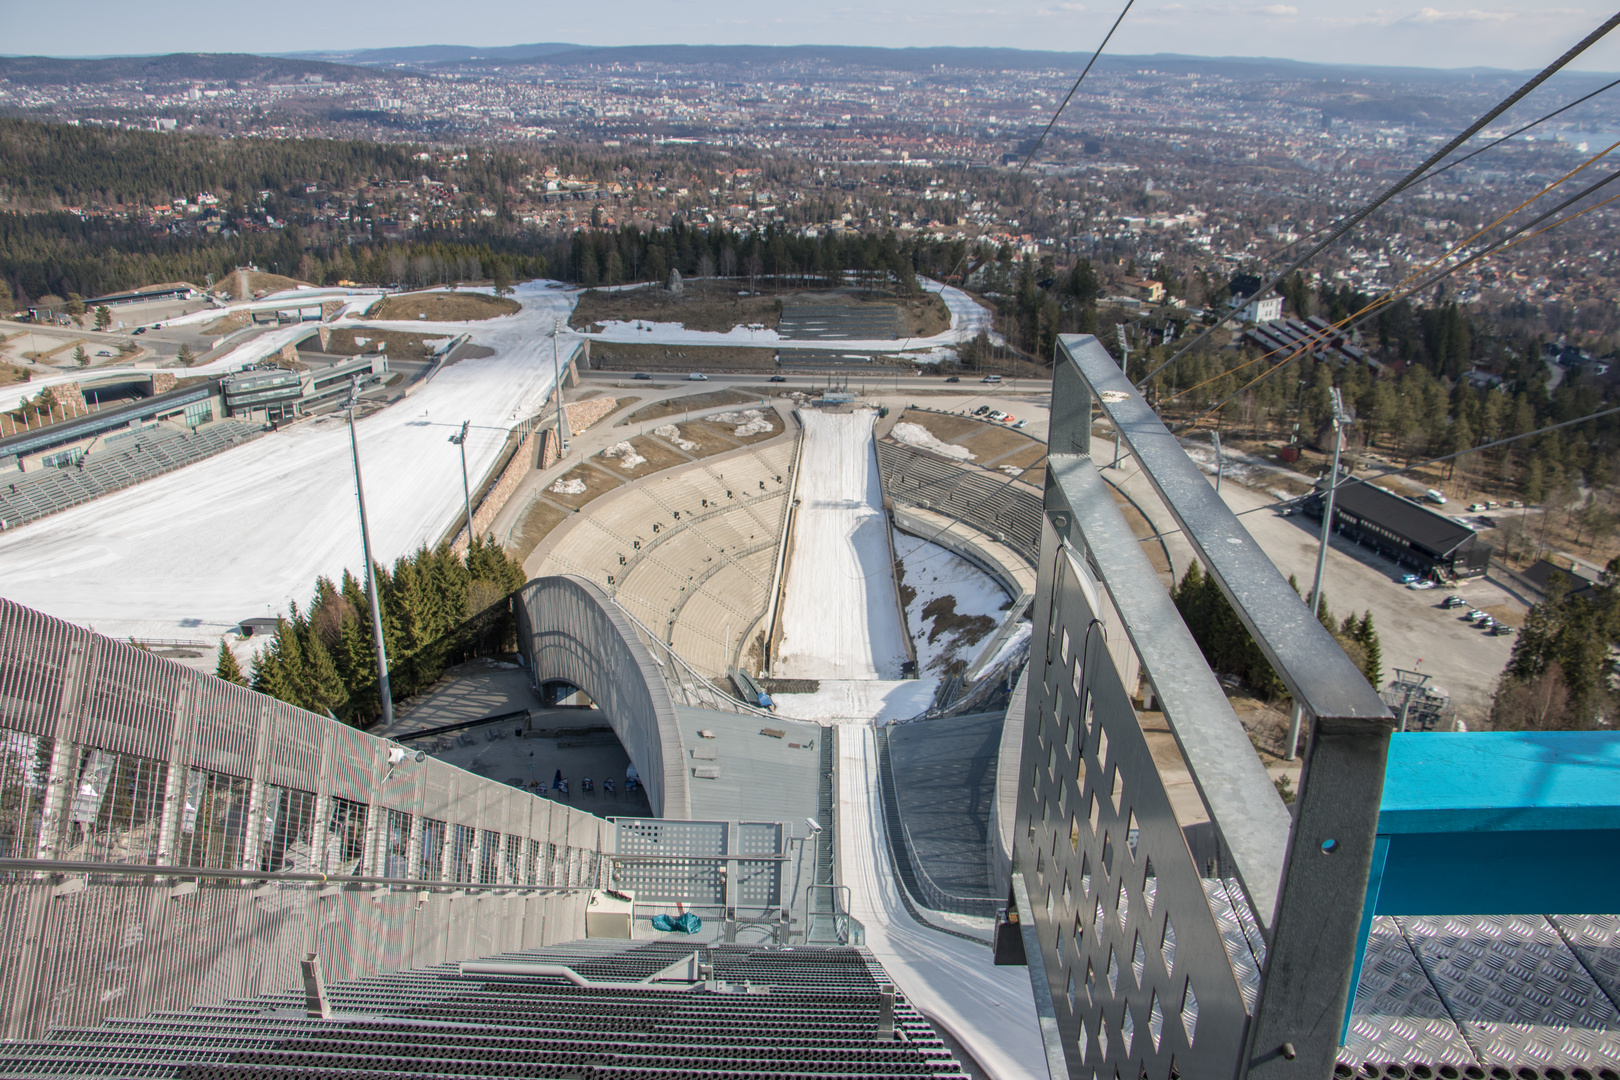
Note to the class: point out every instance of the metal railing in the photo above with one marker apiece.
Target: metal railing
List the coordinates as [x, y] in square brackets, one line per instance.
[167, 838]
[1141, 964]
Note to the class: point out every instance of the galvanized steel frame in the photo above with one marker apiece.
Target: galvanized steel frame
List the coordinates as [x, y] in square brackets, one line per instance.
[1104, 904]
[78, 944]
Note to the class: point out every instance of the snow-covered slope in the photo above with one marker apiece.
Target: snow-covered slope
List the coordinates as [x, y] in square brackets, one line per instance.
[840, 618]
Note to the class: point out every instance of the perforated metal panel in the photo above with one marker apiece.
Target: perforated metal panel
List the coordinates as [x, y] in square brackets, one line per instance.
[1139, 973]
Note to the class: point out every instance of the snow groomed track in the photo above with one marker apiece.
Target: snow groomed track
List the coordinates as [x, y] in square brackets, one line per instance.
[840, 619]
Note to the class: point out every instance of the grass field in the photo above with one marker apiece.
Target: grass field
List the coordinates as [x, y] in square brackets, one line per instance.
[443, 307]
[717, 306]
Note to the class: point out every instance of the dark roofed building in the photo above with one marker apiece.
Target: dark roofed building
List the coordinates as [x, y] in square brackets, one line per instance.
[1404, 531]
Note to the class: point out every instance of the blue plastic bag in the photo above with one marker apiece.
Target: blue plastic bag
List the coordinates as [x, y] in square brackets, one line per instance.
[681, 924]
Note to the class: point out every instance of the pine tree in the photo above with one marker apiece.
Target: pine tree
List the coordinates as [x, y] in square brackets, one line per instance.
[1367, 635]
[226, 667]
[326, 692]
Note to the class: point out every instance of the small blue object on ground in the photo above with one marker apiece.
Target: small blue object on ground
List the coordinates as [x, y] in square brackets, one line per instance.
[680, 924]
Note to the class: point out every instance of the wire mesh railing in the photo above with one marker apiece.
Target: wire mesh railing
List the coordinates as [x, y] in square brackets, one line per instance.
[169, 838]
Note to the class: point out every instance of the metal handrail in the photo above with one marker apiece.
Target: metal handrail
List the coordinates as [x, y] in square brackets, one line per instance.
[941, 899]
[58, 866]
[676, 686]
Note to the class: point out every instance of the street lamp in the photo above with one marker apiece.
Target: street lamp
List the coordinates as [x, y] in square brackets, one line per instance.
[460, 439]
[1341, 420]
[383, 691]
[556, 386]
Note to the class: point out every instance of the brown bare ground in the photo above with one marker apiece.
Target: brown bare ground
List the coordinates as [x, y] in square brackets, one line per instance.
[1024, 458]
[729, 431]
[443, 306]
[234, 321]
[542, 517]
[597, 482]
[992, 440]
[943, 426]
[670, 406]
[401, 345]
[11, 373]
[708, 438]
[260, 282]
[659, 457]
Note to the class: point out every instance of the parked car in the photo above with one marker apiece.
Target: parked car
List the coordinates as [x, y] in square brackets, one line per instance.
[1487, 623]
[138, 330]
[778, 378]
[1435, 496]
[1474, 615]
[1407, 579]
[1488, 522]
[1453, 602]
[954, 378]
[1021, 423]
[981, 410]
[641, 375]
[1501, 630]
[697, 376]
[1474, 508]
[1420, 586]
[1491, 504]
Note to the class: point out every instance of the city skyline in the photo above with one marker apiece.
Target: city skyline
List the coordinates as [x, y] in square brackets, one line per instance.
[1516, 35]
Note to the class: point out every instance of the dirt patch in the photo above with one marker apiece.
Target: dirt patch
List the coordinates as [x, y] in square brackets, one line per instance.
[670, 406]
[11, 373]
[401, 345]
[706, 439]
[1024, 459]
[943, 426]
[680, 359]
[541, 518]
[969, 629]
[597, 482]
[727, 430]
[261, 283]
[1502, 613]
[992, 440]
[659, 456]
[443, 307]
[231, 322]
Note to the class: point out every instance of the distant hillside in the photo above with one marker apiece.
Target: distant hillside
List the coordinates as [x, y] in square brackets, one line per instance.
[424, 55]
[920, 60]
[175, 67]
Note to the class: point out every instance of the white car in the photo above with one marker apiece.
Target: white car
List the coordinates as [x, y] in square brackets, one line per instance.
[1420, 585]
[697, 376]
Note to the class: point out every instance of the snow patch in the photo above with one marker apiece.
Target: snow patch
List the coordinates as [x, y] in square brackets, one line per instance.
[923, 439]
[575, 486]
[749, 421]
[955, 607]
[360, 342]
[860, 701]
[671, 433]
[626, 455]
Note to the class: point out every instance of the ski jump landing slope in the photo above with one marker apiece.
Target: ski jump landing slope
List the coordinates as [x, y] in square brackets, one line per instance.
[989, 1010]
[190, 553]
[840, 618]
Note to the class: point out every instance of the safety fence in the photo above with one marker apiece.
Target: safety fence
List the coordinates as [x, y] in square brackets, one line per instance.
[168, 838]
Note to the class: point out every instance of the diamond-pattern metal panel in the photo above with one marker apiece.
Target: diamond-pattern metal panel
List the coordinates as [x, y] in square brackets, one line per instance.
[1521, 996]
[1398, 1014]
[1138, 966]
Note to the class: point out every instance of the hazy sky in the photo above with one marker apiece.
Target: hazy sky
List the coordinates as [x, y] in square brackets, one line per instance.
[1517, 34]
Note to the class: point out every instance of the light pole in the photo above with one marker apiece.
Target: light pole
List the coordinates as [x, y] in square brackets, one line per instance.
[556, 386]
[460, 439]
[385, 695]
[1215, 437]
[1340, 420]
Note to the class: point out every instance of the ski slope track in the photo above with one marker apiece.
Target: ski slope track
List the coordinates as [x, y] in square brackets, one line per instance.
[989, 1010]
[840, 619]
[190, 553]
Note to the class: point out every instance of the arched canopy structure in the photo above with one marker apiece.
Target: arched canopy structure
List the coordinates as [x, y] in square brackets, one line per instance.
[570, 630]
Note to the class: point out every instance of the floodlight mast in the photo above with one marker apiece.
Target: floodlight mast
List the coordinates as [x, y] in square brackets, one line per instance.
[384, 693]
[460, 439]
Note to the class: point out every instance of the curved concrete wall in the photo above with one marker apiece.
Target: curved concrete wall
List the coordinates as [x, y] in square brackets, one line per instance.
[570, 630]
